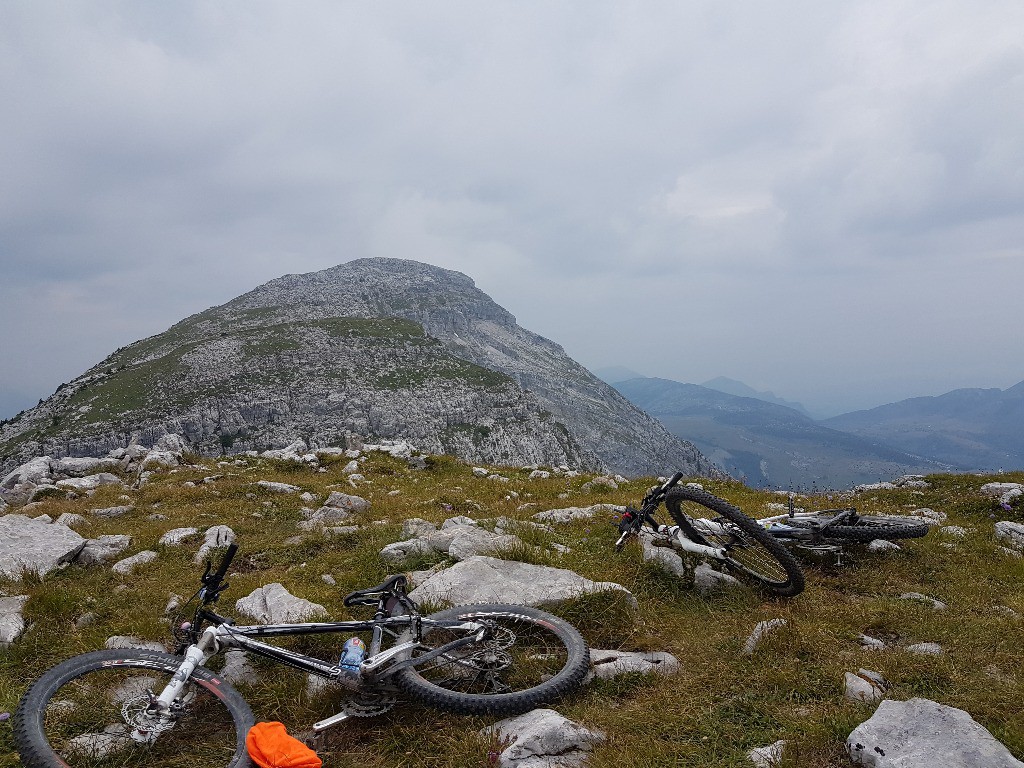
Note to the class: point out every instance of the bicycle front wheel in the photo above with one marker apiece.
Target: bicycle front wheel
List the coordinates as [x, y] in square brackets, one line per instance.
[529, 658]
[750, 550]
[90, 711]
[866, 528]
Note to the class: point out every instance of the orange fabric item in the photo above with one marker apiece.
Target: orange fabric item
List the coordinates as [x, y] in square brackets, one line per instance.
[270, 746]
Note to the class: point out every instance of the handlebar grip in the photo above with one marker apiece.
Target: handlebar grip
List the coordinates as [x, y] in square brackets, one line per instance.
[225, 563]
[672, 481]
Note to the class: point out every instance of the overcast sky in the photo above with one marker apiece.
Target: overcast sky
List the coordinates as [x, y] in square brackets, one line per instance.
[822, 199]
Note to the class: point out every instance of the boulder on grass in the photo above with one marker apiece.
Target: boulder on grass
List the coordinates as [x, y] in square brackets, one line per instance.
[923, 734]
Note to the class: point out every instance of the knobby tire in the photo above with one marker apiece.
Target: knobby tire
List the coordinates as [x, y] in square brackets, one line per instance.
[534, 658]
[72, 715]
[867, 528]
[752, 551]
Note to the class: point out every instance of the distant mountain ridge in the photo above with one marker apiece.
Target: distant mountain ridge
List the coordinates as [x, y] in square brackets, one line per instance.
[769, 445]
[738, 388]
[379, 348]
[970, 429]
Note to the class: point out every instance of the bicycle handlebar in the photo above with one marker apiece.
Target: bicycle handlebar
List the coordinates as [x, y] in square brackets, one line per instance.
[213, 583]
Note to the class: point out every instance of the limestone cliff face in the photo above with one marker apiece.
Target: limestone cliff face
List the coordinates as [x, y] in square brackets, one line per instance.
[379, 348]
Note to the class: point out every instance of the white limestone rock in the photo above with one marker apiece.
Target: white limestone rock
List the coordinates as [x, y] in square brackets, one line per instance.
[925, 649]
[81, 467]
[883, 545]
[36, 471]
[118, 511]
[237, 669]
[924, 734]
[129, 564]
[769, 756]
[400, 551]
[119, 642]
[70, 519]
[216, 536]
[937, 605]
[1011, 534]
[103, 548]
[871, 643]
[866, 686]
[35, 546]
[88, 483]
[761, 629]
[347, 502]
[569, 514]
[606, 664]
[707, 581]
[481, 579]
[272, 487]
[177, 536]
[417, 527]
[542, 739]
[273, 604]
[12, 624]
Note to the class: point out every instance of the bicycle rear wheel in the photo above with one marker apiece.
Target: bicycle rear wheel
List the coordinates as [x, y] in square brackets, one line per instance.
[87, 711]
[866, 528]
[750, 550]
[529, 658]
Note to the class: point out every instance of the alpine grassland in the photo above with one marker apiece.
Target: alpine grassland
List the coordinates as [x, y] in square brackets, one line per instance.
[717, 707]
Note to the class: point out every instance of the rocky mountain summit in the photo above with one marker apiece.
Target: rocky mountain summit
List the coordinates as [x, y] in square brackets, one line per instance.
[371, 349]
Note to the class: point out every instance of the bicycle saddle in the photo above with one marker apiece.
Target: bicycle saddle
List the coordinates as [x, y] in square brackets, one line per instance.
[373, 594]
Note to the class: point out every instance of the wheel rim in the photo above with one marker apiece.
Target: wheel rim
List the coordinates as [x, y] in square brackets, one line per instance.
[98, 719]
[521, 653]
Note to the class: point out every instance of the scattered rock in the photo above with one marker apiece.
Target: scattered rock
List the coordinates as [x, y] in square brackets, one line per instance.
[761, 629]
[923, 734]
[273, 487]
[956, 531]
[540, 474]
[70, 519]
[481, 579]
[216, 536]
[883, 545]
[176, 536]
[400, 551]
[111, 511]
[417, 527]
[480, 472]
[102, 549]
[35, 546]
[706, 580]
[925, 649]
[871, 643]
[576, 513]
[127, 565]
[130, 641]
[237, 668]
[88, 483]
[767, 757]
[1011, 534]
[11, 622]
[542, 738]
[936, 605]
[931, 514]
[600, 483]
[345, 501]
[606, 664]
[865, 686]
[273, 604]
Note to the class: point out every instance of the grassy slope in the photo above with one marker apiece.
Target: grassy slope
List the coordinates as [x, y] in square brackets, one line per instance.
[711, 715]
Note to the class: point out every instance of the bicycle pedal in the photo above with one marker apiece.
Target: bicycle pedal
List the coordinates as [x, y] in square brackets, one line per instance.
[662, 542]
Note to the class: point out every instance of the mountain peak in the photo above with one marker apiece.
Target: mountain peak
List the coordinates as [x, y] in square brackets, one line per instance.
[377, 348]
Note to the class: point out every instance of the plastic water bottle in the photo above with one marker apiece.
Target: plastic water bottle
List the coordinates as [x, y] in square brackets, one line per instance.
[352, 654]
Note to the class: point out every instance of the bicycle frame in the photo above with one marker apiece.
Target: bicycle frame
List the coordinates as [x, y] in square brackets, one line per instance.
[674, 533]
[378, 664]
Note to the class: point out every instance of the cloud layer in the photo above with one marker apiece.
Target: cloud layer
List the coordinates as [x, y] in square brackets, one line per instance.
[823, 199]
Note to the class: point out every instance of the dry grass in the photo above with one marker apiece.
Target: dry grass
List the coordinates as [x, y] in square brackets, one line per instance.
[711, 714]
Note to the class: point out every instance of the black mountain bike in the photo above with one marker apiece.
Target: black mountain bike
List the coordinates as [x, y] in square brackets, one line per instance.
[145, 708]
[729, 537]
